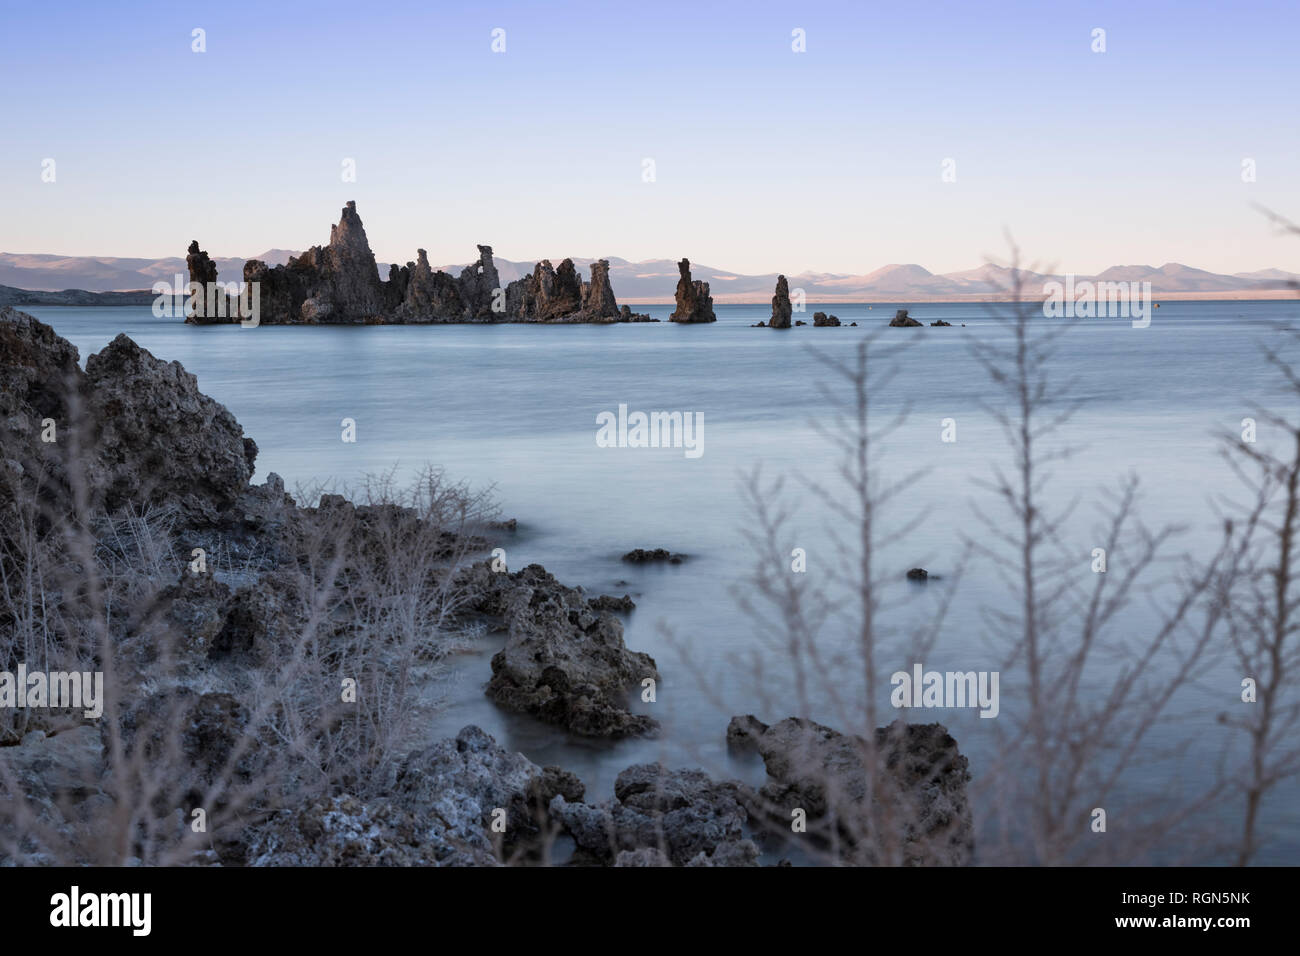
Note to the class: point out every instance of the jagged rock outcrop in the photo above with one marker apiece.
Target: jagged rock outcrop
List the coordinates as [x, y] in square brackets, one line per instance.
[201, 267]
[598, 295]
[430, 296]
[148, 435]
[822, 320]
[660, 817]
[781, 308]
[338, 283]
[694, 304]
[157, 438]
[564, 662]
[548, 295]
[212, 306]
[479, 285]
[921, 789]
[902, 320]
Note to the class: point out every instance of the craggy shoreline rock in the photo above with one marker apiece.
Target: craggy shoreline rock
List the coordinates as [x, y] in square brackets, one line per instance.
[822, 320]
[437, 813]
[157, 437]
[902, 320]
[826, 774]
[694, 304]
[564, 661]
[661, 817]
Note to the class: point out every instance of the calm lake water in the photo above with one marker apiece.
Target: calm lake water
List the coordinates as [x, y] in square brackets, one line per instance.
[515, 406]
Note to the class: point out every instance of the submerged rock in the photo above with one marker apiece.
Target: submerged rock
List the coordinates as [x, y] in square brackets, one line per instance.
[694, 304]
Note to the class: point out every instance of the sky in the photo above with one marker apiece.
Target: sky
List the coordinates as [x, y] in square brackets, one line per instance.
[764, 159]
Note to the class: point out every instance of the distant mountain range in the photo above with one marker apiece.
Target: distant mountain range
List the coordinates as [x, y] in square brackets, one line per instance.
[654, 281]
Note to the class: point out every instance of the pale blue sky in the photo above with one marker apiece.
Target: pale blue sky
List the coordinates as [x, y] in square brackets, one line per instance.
[766, 160]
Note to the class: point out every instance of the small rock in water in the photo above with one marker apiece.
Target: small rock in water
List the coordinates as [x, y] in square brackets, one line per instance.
[918, 574]
[745, 731]
[607, 603]
[645, 556]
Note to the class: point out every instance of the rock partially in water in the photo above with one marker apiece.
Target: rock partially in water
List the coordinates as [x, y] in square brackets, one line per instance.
[744, 732]
[920, 790]
[781, 308]
[822, 320]
[338, 283]
[651, 555]
[902, 320]
[205, 309]
[607, 603]
[660, 816]
[694, 304]
[564, 662]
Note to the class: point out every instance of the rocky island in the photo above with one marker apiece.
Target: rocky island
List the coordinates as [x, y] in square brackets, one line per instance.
[339, 284]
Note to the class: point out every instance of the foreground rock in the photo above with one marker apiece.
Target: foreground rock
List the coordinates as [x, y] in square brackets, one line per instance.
[157, 437]
[781, 308]
[564, 661]
[439, 812]
[920, 793]
[661, 817]
[39, 375]
[150, 436]
[694, 304]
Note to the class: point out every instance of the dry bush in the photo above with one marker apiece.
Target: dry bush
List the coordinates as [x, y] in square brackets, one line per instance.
[224, 689]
